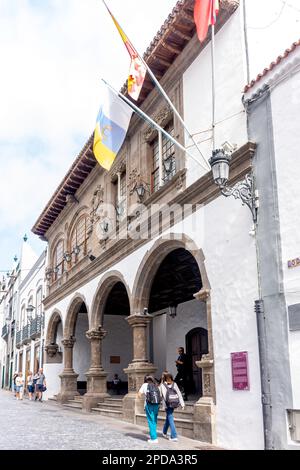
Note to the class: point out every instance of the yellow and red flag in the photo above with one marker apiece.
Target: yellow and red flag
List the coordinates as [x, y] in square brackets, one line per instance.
[205, 14]
[137, 72]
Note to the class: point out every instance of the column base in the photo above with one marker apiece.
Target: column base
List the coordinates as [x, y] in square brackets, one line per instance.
[204, 420]
[68, 386]
[133, 405]
[96, 389]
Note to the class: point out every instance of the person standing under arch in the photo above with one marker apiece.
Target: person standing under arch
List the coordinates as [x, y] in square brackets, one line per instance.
[182, 372]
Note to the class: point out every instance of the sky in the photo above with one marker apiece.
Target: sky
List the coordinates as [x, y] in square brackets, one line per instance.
[53, 54]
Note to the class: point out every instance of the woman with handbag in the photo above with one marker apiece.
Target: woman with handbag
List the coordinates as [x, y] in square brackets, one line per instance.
[40, 384]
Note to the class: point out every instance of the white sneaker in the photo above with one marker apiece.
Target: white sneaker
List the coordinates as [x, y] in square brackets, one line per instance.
[165, 435]
[174, 439]
[153, 441]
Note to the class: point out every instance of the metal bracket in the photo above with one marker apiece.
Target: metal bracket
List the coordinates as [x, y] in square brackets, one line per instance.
[245, 190]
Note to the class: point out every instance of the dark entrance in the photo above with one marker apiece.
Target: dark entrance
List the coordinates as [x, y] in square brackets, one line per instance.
[196, 346]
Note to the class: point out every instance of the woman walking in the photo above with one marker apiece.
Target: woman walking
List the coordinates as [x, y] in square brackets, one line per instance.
[150, 391]
[172, 399]
[30, 386]
[19, 386]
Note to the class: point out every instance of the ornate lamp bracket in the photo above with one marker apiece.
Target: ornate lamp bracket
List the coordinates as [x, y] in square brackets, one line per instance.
[246, 192]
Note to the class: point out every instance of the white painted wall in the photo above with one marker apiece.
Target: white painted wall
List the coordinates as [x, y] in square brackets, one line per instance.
[285, 100]
[230, 81]
[82, 348]
[118, 342]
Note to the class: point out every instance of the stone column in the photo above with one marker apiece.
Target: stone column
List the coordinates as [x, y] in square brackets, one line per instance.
[139, 367]
[68, 376]
[204, 410]
[96, 376]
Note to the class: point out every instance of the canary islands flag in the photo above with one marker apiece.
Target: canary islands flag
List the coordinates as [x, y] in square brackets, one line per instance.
[111, 128]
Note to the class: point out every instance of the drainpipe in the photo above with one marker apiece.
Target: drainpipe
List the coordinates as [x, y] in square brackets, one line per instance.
[264, 373]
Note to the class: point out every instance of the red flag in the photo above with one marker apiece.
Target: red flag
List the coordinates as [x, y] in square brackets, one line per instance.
[205, 14]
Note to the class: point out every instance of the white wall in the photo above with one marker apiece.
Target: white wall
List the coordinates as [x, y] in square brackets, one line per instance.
[118, 342]
[82, 348]
[230, 81]
[285, 100]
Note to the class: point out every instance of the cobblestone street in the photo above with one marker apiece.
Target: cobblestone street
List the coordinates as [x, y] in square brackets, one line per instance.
[44, 426]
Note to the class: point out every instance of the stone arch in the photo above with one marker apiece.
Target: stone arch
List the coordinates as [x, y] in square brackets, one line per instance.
[72, 312]
[54, 321]
[151, 262]
[104, 288]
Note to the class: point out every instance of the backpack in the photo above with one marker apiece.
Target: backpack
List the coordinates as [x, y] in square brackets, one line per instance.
[172, 398]
[153, 394]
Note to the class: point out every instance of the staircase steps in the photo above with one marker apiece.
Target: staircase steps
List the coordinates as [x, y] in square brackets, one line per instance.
[76, 403]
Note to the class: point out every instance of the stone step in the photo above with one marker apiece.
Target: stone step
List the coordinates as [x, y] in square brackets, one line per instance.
[108, 412]
[110, 405]
[184, 427]
[78, 398]
[53, 398]
[114, 400]
[73, 404]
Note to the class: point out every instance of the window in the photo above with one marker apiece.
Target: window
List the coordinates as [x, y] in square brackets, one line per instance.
[39, 304]
[163, 154]
[79, 239]
[58, 260]
[22, 319]
[121, 201]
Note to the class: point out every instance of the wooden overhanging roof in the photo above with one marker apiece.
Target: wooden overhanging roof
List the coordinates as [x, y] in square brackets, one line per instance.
[178, 29]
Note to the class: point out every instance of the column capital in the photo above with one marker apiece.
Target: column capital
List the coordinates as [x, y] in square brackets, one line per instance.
[96, 334]
[51, 349]
[68, 342]
[139, 320]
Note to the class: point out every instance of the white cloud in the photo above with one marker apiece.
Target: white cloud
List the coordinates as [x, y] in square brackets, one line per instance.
[53, 55]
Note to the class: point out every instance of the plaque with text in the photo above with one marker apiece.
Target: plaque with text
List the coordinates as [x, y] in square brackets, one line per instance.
[240, 371]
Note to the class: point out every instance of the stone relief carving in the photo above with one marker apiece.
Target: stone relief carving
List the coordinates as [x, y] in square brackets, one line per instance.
[161, 118]
[120, 167]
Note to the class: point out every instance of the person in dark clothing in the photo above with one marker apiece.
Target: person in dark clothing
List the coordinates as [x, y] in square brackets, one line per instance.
[182, 370]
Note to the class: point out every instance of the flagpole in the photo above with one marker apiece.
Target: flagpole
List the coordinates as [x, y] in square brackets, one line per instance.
[174, 109]
[164, 94]
[147, 118]
[213, 68]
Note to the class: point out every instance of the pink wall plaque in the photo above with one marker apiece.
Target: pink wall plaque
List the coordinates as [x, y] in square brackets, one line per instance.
[239, 367]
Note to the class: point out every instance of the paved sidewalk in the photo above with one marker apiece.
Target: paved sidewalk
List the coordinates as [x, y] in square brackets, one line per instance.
[49, 426]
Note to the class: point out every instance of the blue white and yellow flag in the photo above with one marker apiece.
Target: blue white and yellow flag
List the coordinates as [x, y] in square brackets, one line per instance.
[111, 128]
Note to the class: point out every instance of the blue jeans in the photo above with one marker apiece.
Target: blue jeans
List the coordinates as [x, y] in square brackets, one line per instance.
[151, 413]
[170, 422]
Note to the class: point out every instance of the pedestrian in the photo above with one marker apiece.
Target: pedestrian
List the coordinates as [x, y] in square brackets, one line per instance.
[40, 384]
[182, 370]
[30, 386]
[172, 399]
[19, 386]
[14, 383]
[35, 377]
[163, 376]
[150, 391]
[116, 384]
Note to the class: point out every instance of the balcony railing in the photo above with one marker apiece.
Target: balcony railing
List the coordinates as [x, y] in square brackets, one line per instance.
[5, 331]
[25, 334]
[35, 327]
[19, 338]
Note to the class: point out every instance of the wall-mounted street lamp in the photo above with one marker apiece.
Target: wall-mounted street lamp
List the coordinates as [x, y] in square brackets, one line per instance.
[173, 310]
[50, 272]
[244, 190]
[68, 256]
[168, 165]
[141, 188]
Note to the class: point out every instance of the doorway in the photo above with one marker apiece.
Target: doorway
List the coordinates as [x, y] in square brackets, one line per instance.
[196, 346]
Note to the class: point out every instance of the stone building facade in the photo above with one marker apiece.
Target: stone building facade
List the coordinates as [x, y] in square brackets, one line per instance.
[148, 256]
